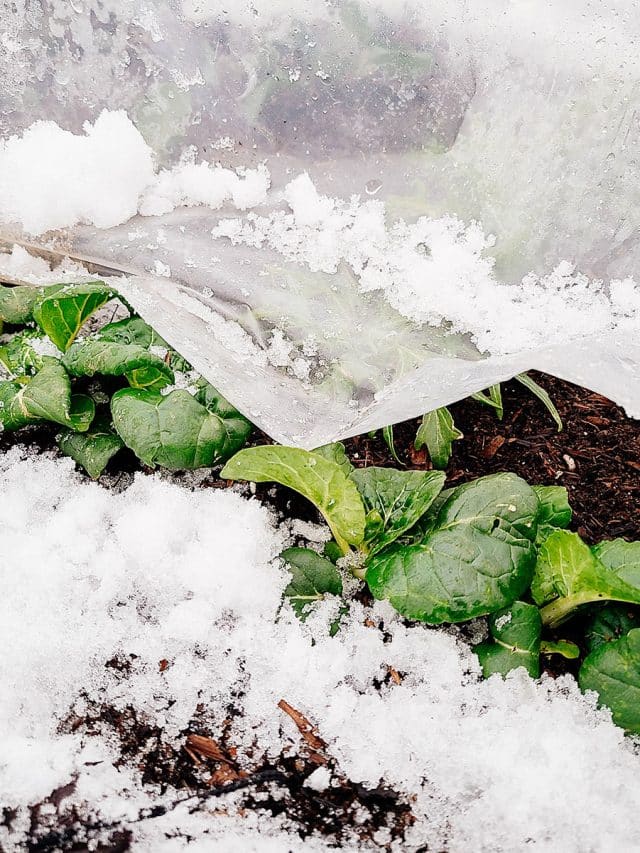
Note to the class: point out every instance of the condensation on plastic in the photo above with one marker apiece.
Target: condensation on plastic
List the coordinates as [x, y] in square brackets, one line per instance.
[524, 115]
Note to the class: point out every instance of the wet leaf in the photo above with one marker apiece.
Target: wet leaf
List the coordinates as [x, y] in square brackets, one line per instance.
[92, 449]
[142, 368]
[515, 641]
[613, 671]
[555, 511]
[62, 314]
[312, 578]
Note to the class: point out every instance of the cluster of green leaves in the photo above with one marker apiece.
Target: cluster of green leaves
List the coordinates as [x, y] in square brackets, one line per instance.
[129, 401]
[494, 547]
[437, 430]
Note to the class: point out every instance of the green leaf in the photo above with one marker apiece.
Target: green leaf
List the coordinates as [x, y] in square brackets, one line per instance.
[175, 431]
[387, 435]
[560, 647]
[555, 511]
[621, 557]
[312, 578]
[62, 314]
[134, 330]
[398, 499]
[45, 397]
[92, 449]
[492, 399]
[568, 575]
[19, 356]
[477, 558]
[610, 622]
[515, 641]
[613, 671]
[437, 432]
[16, 303]
[320, 480]
[142, 368]
[541, 394]
[336, 453]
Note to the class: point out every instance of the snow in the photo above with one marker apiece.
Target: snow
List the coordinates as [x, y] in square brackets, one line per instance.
[159, 571]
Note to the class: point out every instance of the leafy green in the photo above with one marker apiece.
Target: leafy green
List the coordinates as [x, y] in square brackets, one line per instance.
[437, 432]
[16, 303]
[555, 511]
[621, 557]
[175, 431]
[493, 399]
[336, 453]
[134, 330]
[312, 578]
[542, 395]
[477, 558]
[609, 623]
[568, 574]
[142, 368]
[19, 356]
[560, 647]
[515, 641]
[45, 397]
[61, 314]
[398, 499]
[320, 480]
[92, 449]
[613, 671]
[387, 435]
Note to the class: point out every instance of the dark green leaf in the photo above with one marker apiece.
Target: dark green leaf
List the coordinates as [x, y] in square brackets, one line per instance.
[621, 557]
[134, 330]
[62, 314]
[568, 575]
[613, 671]
[387, 435]
[437, 432]
[175, 431]
[312, 577]
[142, 368]
[398, 499]
[320, 480]
[555, 511]
[515, 641]
[92, 449]
[610, 623]
[45, 397]
[477, 558]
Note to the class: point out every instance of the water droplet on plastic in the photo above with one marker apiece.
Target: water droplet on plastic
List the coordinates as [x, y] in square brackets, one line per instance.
[373, 186]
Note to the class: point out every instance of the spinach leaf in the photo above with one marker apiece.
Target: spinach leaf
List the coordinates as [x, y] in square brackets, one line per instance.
[395, 499]
[134, 330]
[565, 648]
[320, 480]
[19, 356]
[610, 622]
[92, 449]
[16, 303]
[141, 368]
[621, 557]
[175, 431]
[61, 314]
[312, 577]
[568, 574]
[437, 432]
[336, 453]
[45, 397]
[555, 511]
[613, 671]
[515, 641]
[477, 558]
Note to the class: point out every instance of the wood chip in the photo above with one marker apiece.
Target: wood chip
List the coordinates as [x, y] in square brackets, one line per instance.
[394, 674]
[207, 747]
[493, 447]
[304, 726]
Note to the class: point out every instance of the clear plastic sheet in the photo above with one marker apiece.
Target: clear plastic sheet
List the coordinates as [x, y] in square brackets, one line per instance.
[521, 115]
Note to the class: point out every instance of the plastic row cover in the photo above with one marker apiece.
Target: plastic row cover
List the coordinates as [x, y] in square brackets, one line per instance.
[521, 115]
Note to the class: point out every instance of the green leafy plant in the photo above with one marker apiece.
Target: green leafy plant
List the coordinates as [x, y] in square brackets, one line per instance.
[92, 449]
[62, 313]
[612, 670]
[515, 641]
[312, 579]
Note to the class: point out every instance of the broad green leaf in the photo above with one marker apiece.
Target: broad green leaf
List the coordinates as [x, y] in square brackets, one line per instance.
[312, 577]
[613, 671]
[92, 449]
[621, 557]
[610, 623]
[134, 330]
[477, 558]
[45, 397]
[398, 499]
[175, 431]
[555, 511]
[493, 399]
[320, 480]
[142, 368]
[568, 575]
[16, 303]
[336, 453]
[515, 641]
[19, 356]
[542, 395]
[213, 400]
[437, 432]
[62, 314]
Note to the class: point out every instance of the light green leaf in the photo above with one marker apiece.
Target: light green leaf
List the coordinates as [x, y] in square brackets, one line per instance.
[621, 557]
[610, 622]
[16, 303]
[320, 480]
[92, 449]
[45, 397]
[437, 432]
[134, 330]
[141, 368]
[568, 575]
[565, 648]
[492, 399]
[19, 356]
[175, 431]
[541, 394]
[397, 498]
[62, 314]
[613, 671]
[336, 453]
[387, 435]
[515, 641]
[555, 511]
[312, 578]
[477, 558]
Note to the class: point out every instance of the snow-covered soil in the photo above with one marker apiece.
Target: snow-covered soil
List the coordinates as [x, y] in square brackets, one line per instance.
[162, 603]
